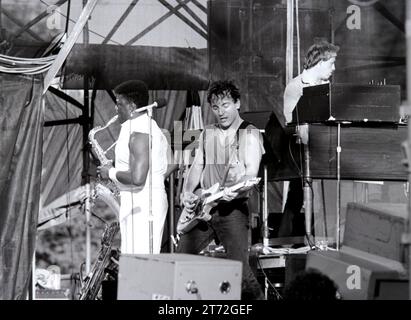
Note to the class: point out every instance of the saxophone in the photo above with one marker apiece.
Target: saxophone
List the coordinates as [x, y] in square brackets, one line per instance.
[92, 284]
[101, 155]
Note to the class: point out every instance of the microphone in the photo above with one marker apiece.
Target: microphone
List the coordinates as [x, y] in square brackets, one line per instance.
[161, 102]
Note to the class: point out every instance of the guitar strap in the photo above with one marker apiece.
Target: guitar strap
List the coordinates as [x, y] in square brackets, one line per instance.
[243, 125]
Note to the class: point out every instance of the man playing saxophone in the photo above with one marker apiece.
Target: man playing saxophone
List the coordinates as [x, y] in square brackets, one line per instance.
[131, 171]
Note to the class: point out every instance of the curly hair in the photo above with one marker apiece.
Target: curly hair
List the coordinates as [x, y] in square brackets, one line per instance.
[321, 51]
[311, 285]
[135, 91]
[223, 88]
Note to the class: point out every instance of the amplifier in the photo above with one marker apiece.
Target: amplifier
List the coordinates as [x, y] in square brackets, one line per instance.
[348, 102]
[369, 264]
[178, 277]
[376, 228]
[359, 276]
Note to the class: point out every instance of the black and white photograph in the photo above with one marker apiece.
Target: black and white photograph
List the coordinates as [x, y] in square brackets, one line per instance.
[222, 156]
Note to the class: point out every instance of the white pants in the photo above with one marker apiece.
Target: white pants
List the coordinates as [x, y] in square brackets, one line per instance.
[134, 221]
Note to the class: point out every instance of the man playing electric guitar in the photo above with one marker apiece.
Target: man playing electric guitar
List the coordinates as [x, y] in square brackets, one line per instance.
[206, 201]
[229, 153]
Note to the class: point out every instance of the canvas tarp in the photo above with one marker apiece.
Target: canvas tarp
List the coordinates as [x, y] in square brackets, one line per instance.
[21, 123]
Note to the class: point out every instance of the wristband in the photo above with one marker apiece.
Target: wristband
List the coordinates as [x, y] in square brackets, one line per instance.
[112, 174]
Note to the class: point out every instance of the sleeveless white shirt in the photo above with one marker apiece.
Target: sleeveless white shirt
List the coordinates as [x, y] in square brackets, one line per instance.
[159, 150]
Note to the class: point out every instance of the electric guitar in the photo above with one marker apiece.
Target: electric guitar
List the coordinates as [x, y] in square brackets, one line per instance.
[208, 199]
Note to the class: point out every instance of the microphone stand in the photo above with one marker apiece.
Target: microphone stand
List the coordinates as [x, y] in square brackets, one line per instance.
[338, 215]
[149, 110]
[150, 180]
[266, 232]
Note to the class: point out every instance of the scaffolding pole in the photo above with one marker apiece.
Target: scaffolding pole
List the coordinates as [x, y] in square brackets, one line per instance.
[86, 130]
[408, 42]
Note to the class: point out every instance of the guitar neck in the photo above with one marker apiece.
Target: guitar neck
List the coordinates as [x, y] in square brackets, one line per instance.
[220, 194]
[214, 197]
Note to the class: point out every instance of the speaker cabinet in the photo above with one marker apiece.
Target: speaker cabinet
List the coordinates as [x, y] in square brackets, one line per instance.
[376, 228]
[359, 278]
[369, 264]
[178, 277]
